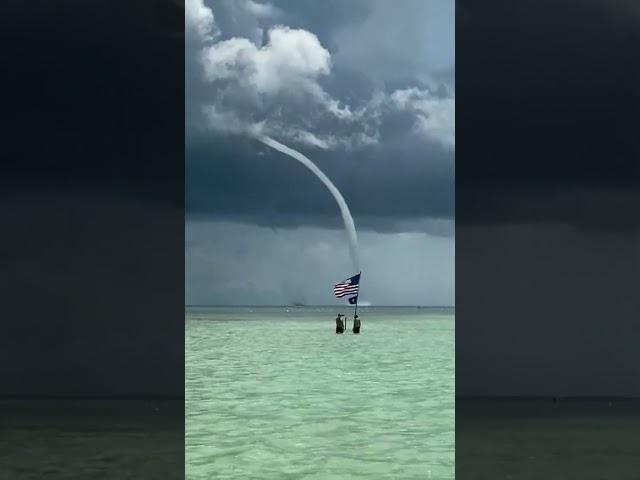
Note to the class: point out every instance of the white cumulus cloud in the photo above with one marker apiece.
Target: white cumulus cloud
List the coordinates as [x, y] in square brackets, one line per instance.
[199, 19]
[435, 116]
[292, 58]
[276, 89]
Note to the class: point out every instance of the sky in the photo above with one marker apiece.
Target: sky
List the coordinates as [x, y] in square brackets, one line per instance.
[364, 89]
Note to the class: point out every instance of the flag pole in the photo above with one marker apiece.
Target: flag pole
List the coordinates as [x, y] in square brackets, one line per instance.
[355, 310]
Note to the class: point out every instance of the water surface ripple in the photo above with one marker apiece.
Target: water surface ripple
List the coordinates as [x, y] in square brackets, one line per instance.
[274, 393]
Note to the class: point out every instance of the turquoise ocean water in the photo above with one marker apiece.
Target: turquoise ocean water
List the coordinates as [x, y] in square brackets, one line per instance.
[274, 393]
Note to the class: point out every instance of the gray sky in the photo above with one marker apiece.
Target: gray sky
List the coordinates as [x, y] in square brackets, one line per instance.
[365, 90]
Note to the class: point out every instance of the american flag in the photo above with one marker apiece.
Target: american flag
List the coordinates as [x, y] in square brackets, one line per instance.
[347, 287]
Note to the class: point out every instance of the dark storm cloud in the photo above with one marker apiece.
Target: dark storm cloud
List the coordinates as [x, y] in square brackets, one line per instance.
[236, 177]
[433, 226]
[383, 159]
[561, 104]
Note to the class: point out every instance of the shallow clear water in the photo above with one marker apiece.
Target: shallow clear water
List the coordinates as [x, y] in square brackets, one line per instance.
[274, 393]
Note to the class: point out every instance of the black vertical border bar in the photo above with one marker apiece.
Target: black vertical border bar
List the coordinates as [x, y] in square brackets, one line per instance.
[547, 235]
[92, 239]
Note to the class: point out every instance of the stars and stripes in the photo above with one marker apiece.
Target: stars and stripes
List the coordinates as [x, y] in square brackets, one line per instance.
[349, 286]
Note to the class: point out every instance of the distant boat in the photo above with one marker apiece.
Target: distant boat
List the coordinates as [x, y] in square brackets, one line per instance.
[298, 304]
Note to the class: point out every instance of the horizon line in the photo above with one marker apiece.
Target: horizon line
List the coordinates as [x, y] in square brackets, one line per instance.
[319, 305]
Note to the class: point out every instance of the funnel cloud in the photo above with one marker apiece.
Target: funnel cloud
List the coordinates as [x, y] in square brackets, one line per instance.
[344, 208]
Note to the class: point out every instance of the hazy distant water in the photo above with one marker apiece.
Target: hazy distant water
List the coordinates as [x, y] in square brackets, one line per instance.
[274, 393]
